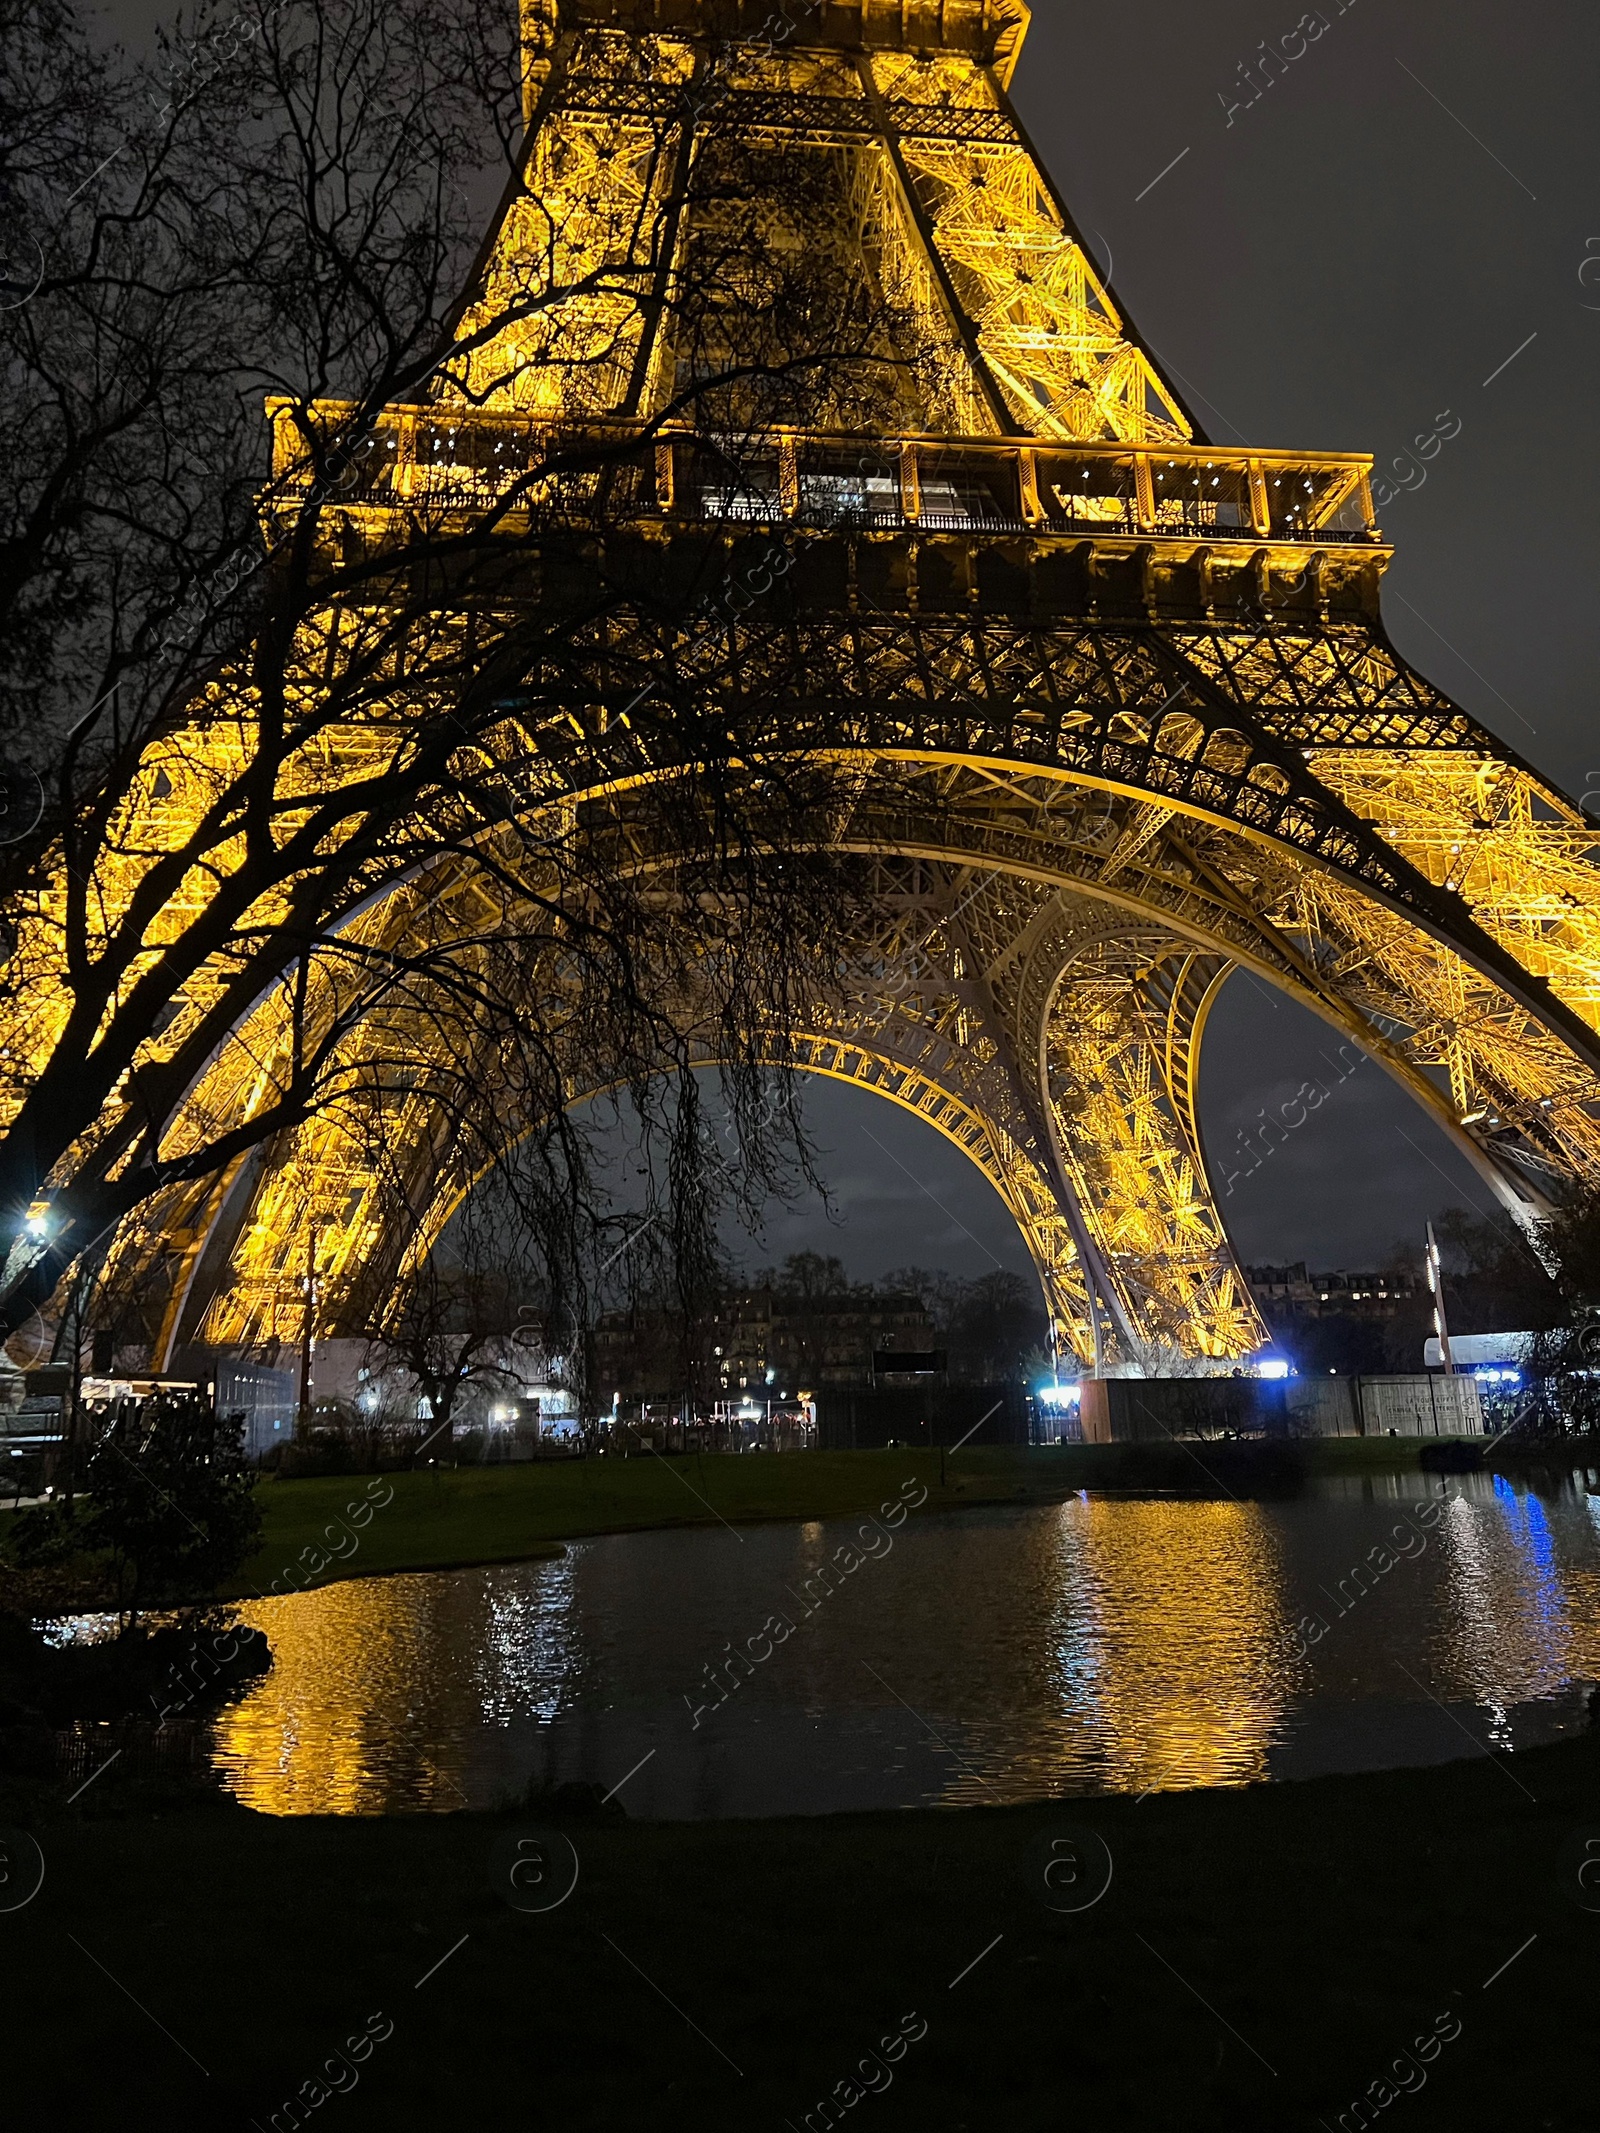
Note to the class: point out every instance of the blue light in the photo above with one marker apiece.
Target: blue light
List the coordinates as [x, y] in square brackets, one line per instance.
[1059, 1395]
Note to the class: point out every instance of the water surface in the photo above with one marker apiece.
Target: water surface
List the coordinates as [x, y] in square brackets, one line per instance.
[1101, 1644]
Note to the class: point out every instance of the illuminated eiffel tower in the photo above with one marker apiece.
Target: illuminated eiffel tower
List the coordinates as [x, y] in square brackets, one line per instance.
[1122, 713]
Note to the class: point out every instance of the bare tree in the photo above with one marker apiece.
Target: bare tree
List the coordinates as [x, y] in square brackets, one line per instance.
[1573, 1237]
[447, 1333]
[479, 1311]
[307, 725]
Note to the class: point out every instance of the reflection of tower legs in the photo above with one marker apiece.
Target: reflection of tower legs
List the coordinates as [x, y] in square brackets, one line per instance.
[1170, 1626]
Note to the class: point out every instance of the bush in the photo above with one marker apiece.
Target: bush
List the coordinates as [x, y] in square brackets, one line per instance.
[47, 1536]
[322, 1451]
[347, 1444]
[169, 1503]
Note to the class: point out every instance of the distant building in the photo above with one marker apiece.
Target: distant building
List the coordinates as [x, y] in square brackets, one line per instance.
[795, 1344]
[763, 1344]
[1342, 1321]
[1292, 1292]
[635, 1357]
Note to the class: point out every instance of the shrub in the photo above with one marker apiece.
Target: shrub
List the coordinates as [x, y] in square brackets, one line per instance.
[169, 1502]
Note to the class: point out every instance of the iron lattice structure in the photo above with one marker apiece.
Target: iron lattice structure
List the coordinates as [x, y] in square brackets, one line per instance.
[1117, 704]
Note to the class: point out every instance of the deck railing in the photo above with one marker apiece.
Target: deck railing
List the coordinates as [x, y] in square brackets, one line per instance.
[470, 461]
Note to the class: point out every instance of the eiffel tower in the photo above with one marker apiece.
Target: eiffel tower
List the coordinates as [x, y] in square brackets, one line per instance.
[1121, 709]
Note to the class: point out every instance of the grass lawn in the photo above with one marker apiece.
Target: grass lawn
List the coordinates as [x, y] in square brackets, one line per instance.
[1257, 1963]
[500, 1513]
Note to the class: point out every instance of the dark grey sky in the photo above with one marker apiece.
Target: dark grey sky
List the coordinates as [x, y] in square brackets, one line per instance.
[1362, 248]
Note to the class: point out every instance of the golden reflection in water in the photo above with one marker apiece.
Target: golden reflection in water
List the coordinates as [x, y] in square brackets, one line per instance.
[348, 1661]
[1171, 1640]
[1113, 1644]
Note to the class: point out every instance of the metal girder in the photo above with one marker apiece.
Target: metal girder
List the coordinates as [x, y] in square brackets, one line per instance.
[1114, 1032]
[1131, 709]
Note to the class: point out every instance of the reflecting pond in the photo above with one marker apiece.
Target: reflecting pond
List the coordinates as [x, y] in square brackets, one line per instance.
[1100, 1644]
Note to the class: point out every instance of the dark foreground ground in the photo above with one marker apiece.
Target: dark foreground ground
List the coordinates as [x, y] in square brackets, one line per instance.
[1261, 1959]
